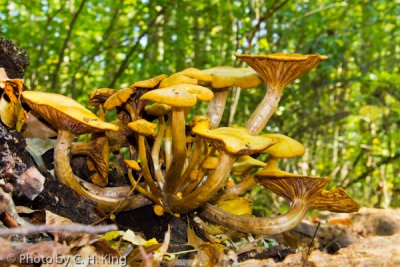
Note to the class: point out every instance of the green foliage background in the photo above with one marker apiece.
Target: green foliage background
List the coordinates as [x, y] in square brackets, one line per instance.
[347, 112]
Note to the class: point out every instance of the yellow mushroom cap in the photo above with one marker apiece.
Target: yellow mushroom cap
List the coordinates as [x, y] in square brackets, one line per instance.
[285, 147]
[99, 96]
[143, 127]
[236, 141]
[223, 77]
[177, 78]
[244, 164]
[181, 95]
[278, 70]
[65, 113]
[196, 74]
[157, 109]
[149, 83]
[132, 164]
[119, 98]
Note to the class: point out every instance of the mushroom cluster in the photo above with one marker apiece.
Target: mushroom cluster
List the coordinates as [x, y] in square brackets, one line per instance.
[186, 165]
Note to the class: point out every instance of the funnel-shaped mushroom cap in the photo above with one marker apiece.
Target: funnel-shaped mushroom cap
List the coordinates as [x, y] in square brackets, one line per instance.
[223, 77]
[118, 98]
[65, 113]
[336, 200]
[310, 190]
[143, 127]
[196, 74]
[99, 96]
[132, 164]
[285, 147]
[244, 164]
[157, 109]
[177, 79]
[149, 83]
[278, 70]
[236, 141]
[181, 95]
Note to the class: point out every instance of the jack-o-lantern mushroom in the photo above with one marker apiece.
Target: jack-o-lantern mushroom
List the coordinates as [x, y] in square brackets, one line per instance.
[71, 118]
[277, 71]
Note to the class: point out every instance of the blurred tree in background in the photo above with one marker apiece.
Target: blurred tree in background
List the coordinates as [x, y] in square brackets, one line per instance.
[347, 113]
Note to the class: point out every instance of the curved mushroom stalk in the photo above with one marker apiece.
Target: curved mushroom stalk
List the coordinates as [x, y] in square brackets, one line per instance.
[264, 111]
[216, 107]
[277, 70]
[266, 226]
[64, 173]
[304, 192]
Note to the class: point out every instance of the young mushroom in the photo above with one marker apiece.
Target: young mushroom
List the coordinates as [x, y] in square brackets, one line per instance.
[71, 118]
[277, 71]
[304, 192]
[145, 128]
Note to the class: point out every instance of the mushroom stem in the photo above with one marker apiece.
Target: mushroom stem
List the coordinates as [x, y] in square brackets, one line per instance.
[140, 189]
[194, 184]
[155, 151]
[206, 191]
[168, 143]
[216, 107]
[64, 173]
[238, 189]
[264, 110]
[81, 148]
[253, 225]
[111, 192]
[131, 111]
[145, 166]
[192, 164]
[178, 151]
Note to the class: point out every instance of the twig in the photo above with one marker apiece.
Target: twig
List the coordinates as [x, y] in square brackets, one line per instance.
[312, 240]
[71, 228]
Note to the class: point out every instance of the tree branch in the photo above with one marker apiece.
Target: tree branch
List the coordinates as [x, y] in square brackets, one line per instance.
[65, 45]
[71, 228]
[370, 170]
[132, 50]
